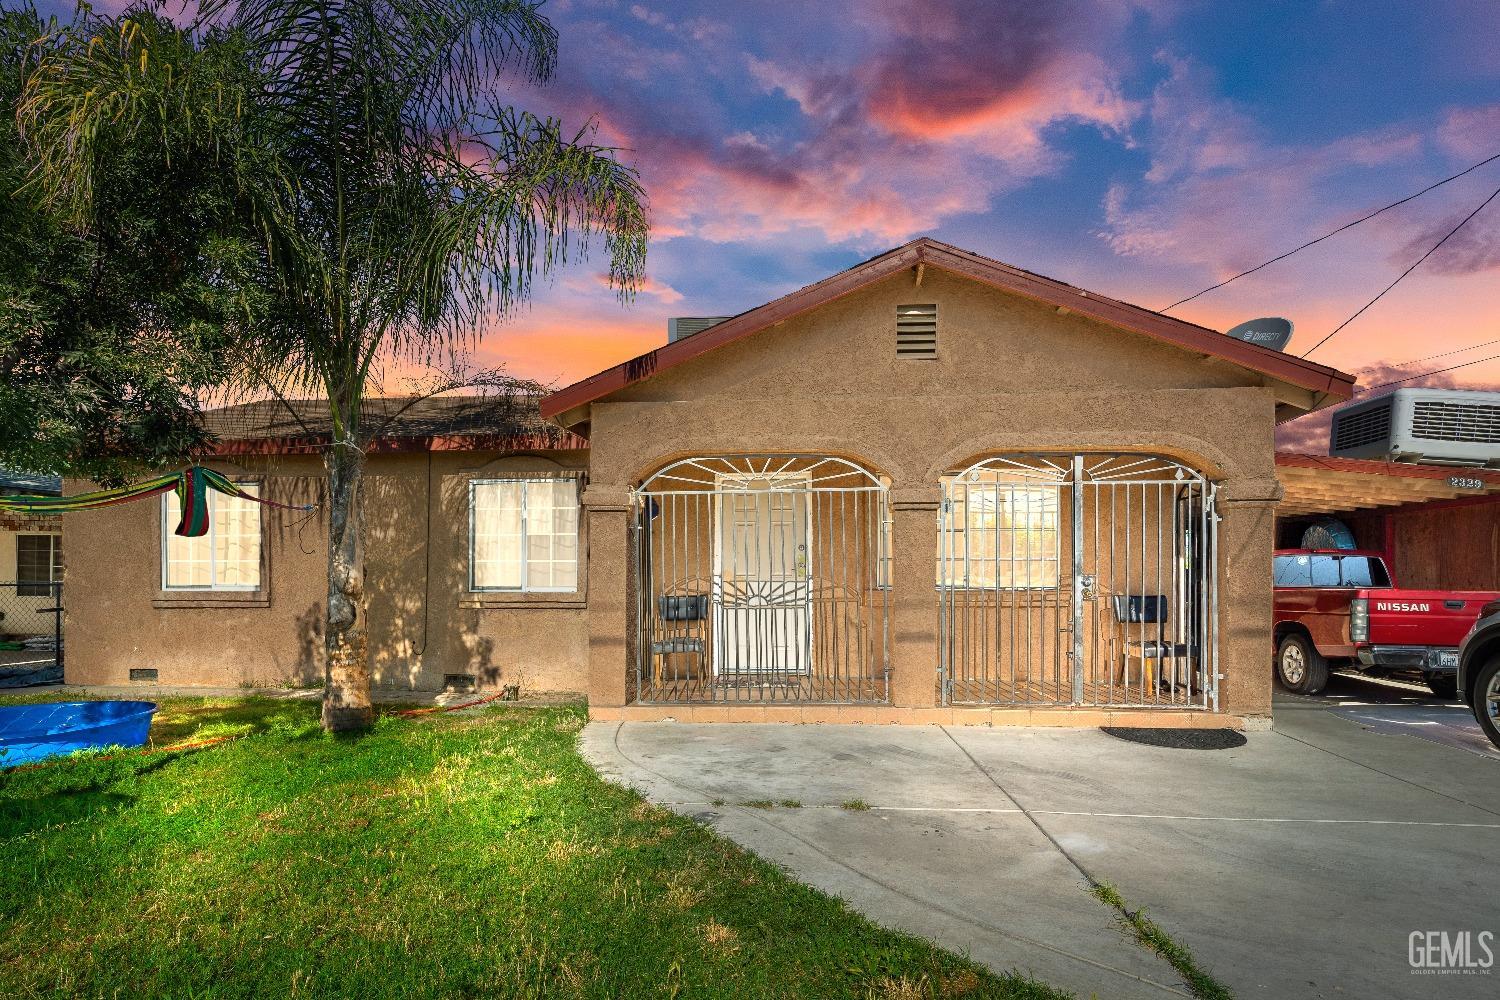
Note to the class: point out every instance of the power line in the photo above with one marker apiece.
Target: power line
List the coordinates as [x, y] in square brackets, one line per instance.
[1440, 371]
[1340, 229]
[1444, 354]
[1357, 313]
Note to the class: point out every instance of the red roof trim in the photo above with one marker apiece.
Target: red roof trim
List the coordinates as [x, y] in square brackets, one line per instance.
[1374, 467]
[1306, 374]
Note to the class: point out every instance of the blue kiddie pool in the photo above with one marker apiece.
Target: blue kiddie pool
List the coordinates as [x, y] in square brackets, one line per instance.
[29, 733]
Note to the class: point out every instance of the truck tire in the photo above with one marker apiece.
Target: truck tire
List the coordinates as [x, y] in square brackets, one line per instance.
[1299, 665]
[1487, 700]
[1445, 686]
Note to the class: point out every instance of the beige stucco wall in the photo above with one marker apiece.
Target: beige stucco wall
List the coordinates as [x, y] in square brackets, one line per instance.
[423, 621]
[1012, 375]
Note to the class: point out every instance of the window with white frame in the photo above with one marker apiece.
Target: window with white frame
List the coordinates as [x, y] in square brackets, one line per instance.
[523, 534]
[1000, 537]
[38, 564]
[228, 557]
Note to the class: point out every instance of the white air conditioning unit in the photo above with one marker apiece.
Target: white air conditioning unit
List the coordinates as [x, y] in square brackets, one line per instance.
[679, 327]
[1429, 426]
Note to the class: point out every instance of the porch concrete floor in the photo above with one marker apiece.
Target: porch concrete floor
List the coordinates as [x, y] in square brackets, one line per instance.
[1295, 866]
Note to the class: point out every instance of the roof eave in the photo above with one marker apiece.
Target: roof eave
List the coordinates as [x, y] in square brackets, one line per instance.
[1330, 384]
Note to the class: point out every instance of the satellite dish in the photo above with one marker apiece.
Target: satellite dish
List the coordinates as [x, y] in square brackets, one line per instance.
[1268, 331]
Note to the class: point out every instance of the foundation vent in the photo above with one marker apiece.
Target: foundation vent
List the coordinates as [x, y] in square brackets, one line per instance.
[916, 331]
[458, 682]
[143, 675]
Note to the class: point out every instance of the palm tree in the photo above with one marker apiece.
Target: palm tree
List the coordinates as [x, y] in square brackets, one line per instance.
[395, 198]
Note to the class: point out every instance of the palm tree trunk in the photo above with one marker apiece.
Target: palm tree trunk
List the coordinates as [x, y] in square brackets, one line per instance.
[346, 688]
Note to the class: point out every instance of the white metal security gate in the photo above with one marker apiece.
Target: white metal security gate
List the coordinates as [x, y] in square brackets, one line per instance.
[761, 578]
[1084, 579]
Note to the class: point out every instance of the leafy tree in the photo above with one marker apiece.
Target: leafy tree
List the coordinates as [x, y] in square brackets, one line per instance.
[397, 198]
[108, 334]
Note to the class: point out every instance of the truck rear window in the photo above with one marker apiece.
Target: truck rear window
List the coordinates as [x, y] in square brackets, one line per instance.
[1330, 571]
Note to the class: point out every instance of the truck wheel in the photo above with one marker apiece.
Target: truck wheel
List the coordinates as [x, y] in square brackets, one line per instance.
[1300, 667]
[1445, 686]
[1487, 700]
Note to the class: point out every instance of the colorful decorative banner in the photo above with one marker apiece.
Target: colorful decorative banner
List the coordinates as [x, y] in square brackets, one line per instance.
[191, 486]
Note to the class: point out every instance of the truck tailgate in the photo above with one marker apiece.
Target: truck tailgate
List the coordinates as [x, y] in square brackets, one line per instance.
[1423, 617]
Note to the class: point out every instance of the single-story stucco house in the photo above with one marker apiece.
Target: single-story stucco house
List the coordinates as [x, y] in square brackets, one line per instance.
[932, 487]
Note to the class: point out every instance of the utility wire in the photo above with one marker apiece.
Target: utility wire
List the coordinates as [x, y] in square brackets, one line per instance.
[1340, 229]
[1444, 354]
[1440, 371]
[1358, 312]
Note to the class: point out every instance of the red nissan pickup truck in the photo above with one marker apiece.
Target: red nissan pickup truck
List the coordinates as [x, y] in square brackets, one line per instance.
[1341, 609]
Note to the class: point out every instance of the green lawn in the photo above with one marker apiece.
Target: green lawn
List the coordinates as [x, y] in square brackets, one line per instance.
[446, 855]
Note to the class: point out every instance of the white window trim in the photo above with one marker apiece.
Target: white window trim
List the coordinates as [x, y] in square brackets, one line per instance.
[574, 478]
[167, 530]
[54, 572]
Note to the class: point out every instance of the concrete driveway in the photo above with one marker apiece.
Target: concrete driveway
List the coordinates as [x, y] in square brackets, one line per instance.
[1297, 865]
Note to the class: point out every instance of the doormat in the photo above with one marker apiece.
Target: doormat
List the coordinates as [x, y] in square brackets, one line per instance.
[1179, 739]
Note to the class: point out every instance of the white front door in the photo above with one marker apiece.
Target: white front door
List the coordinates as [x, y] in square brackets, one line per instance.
[762, 589]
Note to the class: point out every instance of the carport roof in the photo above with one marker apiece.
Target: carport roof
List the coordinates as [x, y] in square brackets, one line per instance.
[1318, 384]
[1321, 484]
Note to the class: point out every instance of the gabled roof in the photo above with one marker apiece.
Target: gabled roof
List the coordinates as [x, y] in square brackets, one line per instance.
[1327, 385]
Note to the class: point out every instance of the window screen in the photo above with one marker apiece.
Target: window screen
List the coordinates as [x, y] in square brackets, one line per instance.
[524, 534]
[227, 558]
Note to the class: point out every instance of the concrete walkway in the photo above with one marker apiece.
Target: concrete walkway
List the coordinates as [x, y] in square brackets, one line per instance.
[1295, 866]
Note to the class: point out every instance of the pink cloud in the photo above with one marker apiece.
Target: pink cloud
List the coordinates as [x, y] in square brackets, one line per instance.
[659, 290]
[1469, 133]
[928, 111]
[1474, 248]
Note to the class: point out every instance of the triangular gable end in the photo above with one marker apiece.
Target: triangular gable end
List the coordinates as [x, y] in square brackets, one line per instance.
[1300, 385]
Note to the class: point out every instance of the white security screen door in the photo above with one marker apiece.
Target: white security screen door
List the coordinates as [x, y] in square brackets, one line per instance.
[762, 587]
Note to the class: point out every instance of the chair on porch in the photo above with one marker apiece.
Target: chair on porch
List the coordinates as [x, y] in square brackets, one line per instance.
[1147, 654]
[679, 632]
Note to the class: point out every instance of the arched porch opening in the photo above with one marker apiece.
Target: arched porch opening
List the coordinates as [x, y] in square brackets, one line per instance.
[761, 579]
[1078, 579]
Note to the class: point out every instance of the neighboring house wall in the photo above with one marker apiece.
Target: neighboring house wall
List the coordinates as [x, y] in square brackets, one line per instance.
[1012, 375]
[424, 623]
[24, 615]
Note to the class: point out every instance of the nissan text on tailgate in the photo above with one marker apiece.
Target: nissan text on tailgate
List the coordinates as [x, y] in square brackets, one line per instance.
[1341, 609]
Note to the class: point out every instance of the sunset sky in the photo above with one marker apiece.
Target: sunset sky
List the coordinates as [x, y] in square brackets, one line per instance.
[1144, 150]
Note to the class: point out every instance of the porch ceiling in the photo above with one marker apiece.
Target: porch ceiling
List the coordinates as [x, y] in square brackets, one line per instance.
[1316, 484]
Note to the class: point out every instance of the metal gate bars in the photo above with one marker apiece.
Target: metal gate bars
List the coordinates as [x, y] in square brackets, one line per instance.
[1084, 579]
[761, 578]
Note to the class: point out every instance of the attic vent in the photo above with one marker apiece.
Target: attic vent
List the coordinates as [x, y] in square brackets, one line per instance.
[679, 327]
[1440, 421]
[916, 331]
[1366, 427]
